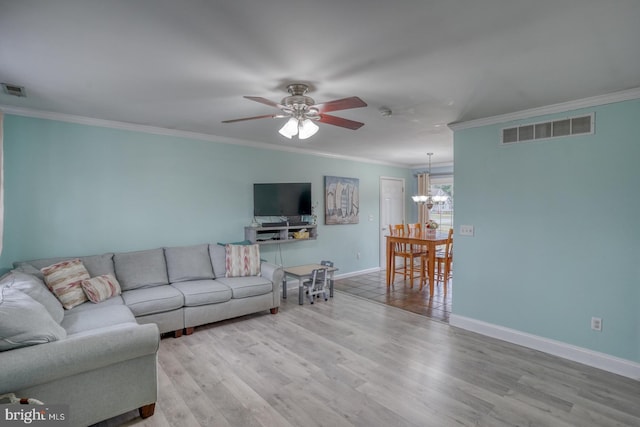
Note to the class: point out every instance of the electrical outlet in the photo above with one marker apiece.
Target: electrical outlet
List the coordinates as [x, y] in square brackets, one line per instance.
[596, 324]
[466, 230]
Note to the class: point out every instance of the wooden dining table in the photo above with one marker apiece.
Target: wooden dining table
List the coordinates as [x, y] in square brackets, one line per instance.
[430, 244]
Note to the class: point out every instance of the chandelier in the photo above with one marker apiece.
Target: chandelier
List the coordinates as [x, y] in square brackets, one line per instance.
[421, 199]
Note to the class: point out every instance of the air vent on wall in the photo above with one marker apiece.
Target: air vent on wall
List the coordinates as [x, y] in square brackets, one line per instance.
[579, 125]
[14, 90]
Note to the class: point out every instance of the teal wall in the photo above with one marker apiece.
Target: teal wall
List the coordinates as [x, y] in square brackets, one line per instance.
[541, 260]
[73, 189]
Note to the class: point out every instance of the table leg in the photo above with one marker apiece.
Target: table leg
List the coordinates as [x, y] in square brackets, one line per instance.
[331, 286]
[300, 292]
[284, 287]
[432, 266]
[389, 260]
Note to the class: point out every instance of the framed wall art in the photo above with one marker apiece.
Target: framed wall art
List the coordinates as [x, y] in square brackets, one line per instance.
[341, 200]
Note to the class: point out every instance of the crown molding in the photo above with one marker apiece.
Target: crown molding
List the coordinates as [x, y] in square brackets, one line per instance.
[112, 124]
[610, 98]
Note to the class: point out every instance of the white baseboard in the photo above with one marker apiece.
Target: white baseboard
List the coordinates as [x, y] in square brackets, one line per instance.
[585, 356]
[357, 273]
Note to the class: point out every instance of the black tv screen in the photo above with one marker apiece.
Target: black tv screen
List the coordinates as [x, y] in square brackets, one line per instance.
[282, 199]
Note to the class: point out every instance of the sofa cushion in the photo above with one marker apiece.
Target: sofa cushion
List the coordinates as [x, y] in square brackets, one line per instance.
[101, 288]
[141, 269]
[242, 287]
[117, 300]
[242, 260]
[201, 292]
[99, 316]
[156, 299]
[36, 289]
[25, 321]
[99, 265]
[96, 265]
[188, 263]
[217, 254]
[65, 281]
[25, 267]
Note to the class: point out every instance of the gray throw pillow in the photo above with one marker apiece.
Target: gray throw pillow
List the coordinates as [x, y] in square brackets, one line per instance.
[36, 289]
[25, 321]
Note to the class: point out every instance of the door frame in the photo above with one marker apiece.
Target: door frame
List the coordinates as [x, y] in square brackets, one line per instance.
[382, 228]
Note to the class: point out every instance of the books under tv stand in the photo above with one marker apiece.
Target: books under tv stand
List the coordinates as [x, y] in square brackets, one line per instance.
[280, 234]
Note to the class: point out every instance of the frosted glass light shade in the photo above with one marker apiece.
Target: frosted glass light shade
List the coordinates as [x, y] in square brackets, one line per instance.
[290, 128]
[307, 129]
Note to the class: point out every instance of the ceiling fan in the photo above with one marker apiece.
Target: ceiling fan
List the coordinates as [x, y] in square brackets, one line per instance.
[303, 111]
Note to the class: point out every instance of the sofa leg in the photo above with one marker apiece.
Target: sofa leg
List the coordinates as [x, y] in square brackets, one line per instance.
[274, 310]
[147, 410]
[188, 331]
[177, 334]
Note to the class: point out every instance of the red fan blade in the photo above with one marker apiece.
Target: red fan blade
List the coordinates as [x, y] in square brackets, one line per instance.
[339, 121]
[271, 116]
[264, 101]
[341, 104]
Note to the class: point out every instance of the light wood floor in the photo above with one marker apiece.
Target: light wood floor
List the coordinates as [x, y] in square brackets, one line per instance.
[354, 362]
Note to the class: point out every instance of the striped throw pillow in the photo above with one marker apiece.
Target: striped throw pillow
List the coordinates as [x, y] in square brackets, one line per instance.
[100, 288]
[242, 260]
[65, 281]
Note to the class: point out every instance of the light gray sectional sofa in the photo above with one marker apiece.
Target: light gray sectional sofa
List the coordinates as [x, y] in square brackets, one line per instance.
[101, 358]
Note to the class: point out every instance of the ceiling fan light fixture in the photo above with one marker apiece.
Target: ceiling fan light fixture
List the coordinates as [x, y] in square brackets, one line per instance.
[303, 112]
[290, 128]
[307, 129]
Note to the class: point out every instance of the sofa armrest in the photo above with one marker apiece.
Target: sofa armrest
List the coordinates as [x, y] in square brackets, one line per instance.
[29, 366]
[275, 274]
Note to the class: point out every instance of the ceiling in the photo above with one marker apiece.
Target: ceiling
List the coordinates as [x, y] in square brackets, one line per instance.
[185, 65]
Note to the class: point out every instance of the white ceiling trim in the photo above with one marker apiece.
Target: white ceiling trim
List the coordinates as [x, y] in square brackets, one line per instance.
[610, 98]
[89, 121]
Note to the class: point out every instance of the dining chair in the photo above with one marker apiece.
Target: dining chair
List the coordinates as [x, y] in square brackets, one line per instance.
[408, 255]
[415, 230]
[444, 262]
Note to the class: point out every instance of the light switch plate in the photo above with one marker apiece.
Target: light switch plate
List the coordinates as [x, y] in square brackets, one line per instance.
[466, 230]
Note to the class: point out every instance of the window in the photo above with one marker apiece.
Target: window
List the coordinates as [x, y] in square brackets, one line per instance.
[442, 192]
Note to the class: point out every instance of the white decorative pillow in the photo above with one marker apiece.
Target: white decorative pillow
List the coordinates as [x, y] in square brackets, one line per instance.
[25, 321]
[100, 288]
[65, 281]
[242, 260]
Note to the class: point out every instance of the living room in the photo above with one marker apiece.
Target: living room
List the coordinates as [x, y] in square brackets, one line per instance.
[538, 268]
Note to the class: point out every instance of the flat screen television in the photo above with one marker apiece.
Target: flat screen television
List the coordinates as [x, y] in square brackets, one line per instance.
[282, 199]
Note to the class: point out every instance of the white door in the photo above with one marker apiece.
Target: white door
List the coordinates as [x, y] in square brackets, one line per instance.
[391, 210]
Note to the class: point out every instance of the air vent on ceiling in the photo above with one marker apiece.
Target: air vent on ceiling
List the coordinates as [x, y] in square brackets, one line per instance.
[579, 125]
[14, 90]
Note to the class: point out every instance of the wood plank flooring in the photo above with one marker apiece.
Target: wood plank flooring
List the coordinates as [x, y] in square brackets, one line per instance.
[354, 362]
